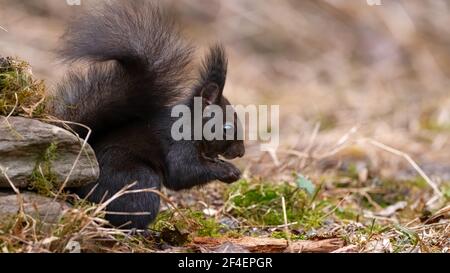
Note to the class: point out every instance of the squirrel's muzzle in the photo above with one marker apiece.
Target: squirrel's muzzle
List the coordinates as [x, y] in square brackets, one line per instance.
[234, 151]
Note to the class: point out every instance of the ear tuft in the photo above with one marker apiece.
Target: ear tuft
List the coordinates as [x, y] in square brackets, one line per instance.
[215, 67]
[213, 75]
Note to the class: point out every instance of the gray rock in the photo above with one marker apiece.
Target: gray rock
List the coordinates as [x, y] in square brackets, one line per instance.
[24, 142]
[39, 207]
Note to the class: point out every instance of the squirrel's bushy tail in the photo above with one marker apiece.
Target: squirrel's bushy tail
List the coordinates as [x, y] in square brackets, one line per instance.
[136, 64]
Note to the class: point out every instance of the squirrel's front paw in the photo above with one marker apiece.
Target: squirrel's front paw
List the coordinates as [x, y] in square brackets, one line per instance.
[229, 173]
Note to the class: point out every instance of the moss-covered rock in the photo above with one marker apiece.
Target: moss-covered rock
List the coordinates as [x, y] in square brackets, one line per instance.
[41, 156]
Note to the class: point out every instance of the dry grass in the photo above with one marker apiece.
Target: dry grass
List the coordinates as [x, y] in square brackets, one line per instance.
[20, 93]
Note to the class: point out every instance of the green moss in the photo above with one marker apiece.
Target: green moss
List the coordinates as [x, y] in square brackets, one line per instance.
[163, 220]
[261, 204]
[198, 225]
[43, 180]
[208, 227]
[20, 93]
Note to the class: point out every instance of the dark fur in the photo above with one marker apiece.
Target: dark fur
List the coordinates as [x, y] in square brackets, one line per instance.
[136, 68]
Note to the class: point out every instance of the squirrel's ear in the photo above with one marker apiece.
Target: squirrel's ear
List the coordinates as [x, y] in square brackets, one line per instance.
[213, 75]
[211, 93]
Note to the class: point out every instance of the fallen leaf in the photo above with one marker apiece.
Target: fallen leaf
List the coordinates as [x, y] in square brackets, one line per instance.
[306, 184]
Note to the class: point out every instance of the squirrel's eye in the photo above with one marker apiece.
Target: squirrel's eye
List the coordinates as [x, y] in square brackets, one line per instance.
[228, 127]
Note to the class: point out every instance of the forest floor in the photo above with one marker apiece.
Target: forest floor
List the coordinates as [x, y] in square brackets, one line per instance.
[342, 202]
[341, 213]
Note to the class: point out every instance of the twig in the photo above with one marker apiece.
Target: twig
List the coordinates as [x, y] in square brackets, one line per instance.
[67, 127]
[410, 161]
[2, 28]
[165, 198]
[273, 155]
[126, 190]
[441, 213]
[340, 145]
[6, 119]
[83, 146]
[294, 153]
[30, 110]
[336, 207]
[310, 145]
[72, 169]
[14, 108]
[103, 205]
[286, 227]
[421, 227]
[128, 213]
[371, 201]
[117, 195]
[16, 190]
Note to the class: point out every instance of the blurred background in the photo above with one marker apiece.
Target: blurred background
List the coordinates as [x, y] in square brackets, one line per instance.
[342, 71]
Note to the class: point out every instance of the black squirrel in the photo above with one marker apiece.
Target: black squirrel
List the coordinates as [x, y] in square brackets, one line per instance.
[137, 67]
